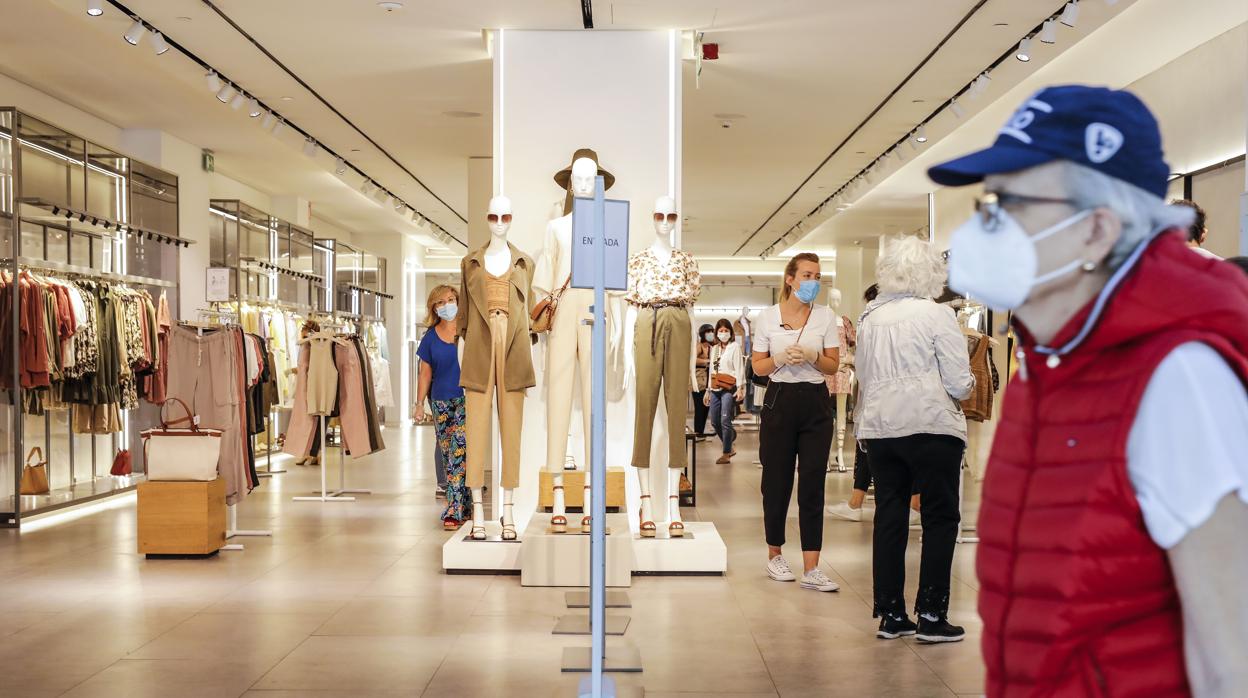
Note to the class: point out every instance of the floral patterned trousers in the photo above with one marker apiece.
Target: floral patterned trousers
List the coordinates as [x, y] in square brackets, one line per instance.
[448, 425]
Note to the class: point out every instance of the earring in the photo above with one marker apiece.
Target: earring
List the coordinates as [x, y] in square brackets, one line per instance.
[1088, 267]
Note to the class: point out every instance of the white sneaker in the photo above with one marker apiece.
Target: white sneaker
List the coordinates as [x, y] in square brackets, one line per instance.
[916, 521]
[817, 580]
[844, 512]
[779, 570]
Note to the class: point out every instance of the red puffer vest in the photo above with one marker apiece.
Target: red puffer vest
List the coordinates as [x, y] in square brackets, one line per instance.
[1076, 598]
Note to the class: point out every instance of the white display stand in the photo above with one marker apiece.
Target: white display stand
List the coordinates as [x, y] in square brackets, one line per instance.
[562, 560]
[700, 551]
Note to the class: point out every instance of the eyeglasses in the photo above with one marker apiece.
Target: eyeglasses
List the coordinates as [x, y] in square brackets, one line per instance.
[990, 205]
[493, 217]
[658, 217]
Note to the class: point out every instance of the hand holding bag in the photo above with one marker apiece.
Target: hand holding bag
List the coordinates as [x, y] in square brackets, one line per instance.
[181, 454]
[544, 312]
[35, 477]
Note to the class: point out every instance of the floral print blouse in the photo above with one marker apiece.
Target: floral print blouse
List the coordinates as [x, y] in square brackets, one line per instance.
[675, 281]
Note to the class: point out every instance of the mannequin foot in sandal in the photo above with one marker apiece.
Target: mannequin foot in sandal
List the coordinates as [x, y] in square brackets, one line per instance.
[646, 527]
[559, 512]
[478, 515]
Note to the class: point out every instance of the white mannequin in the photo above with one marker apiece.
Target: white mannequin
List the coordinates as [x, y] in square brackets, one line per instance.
[834, 302]
[581, 184]
[661, 248]
[497, 262]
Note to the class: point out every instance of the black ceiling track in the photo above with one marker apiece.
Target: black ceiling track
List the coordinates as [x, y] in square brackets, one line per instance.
[260, 47]
[587, 13]
[931, 54]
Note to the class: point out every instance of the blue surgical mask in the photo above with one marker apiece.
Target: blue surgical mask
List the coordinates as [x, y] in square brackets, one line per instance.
[808, 291]
[447, 312]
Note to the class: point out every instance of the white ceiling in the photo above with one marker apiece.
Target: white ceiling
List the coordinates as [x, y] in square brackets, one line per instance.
[803, 73]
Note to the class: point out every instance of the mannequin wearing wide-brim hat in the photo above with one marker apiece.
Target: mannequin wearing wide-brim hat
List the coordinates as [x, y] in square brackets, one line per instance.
[568, 344]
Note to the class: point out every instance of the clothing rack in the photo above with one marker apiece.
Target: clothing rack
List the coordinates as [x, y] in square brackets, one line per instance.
[77, 272]
[340, 494]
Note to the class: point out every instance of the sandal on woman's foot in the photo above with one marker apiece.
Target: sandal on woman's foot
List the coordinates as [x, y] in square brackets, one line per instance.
[451, 525]
[647, 528]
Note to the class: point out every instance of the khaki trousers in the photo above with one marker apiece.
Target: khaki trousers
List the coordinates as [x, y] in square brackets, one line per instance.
[478, 411]
[662, 343]
[567, 355]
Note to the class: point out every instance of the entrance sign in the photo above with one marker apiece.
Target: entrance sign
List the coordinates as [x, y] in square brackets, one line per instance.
[615, 227]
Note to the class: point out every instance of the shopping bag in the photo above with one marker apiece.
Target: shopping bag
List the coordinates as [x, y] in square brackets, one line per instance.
[178, 454]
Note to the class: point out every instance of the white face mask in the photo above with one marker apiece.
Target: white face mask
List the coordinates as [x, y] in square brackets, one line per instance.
[724, 337]
[710, 337]
[999, 266]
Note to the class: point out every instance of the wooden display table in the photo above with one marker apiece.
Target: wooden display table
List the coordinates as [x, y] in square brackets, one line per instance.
[574, 490]
[181, 518]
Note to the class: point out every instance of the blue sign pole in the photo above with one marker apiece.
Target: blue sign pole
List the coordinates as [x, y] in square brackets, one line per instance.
[598, 443]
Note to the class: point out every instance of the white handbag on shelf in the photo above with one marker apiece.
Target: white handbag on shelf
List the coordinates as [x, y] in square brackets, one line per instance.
[181, 454]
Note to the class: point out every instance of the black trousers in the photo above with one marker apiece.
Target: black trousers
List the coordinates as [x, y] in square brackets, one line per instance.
[700, 411]
[928, 463]
[796, 433]
[862, 468]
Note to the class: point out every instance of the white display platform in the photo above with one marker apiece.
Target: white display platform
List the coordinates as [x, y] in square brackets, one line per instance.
[562, 559]
[490, 555]
[700, 551]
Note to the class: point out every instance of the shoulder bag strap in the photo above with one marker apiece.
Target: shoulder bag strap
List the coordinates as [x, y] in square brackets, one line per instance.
[37, 453]
[188, 419]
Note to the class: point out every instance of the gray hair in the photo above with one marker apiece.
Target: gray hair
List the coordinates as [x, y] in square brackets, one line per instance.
[908, 264]
[1143, 214]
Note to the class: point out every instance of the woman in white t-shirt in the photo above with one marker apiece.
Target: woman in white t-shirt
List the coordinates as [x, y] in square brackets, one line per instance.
[795, 346]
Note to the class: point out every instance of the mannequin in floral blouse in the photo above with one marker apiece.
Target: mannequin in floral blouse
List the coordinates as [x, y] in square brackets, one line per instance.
[663, 283]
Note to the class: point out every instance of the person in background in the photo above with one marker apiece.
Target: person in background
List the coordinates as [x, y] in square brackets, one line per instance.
[913, 368]
[1198, 231]
[795, 346]
[727, 386]
[1111, 559]
[439, 382]
[851, 510]
[701, 378]
[1241, 262]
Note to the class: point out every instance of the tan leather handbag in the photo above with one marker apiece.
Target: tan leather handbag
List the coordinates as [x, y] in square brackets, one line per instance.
[181, 454]
[35, 477]
[543, 317]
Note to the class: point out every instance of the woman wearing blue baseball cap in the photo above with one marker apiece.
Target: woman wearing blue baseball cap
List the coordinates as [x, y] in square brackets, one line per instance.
[1112, 559]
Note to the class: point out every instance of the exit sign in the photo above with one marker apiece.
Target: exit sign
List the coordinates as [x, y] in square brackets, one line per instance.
[210, 161]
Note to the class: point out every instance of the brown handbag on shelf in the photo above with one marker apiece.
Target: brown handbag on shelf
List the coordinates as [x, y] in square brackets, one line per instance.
[544, 312]
[122, 463]
[35, 477]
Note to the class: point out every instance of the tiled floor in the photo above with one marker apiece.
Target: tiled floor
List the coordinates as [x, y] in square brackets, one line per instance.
[349, 600]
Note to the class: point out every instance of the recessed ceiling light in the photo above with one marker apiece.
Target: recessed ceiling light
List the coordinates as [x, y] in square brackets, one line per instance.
[184, 19]
[916, 101]
[390, 6]
[457, 114]
[355, 150]
[1001, 24]
[729, 116]
[288, 99]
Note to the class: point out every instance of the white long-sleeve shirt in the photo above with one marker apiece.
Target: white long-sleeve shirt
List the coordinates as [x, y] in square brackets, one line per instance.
[729, 360]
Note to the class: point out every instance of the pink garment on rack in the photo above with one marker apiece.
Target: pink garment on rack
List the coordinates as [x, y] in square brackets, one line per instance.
[352, 407]
[303, 426]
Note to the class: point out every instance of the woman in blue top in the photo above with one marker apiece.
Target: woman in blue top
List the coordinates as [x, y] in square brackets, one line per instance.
[439, 382]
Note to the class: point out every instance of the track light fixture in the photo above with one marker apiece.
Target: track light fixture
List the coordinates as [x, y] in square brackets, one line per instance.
[135, 33]
[310, 147]
[213, 80]
[268, 121]
[95, 8]
[340, 167]
[253, 108]
[956, 108]
[226, 93]
[281, 124]
[920, 135]
[399, 206]
[366, 188]
[1070, 16]
[239, 100]
[1048, 35]
[159, 45]
[1024, 50]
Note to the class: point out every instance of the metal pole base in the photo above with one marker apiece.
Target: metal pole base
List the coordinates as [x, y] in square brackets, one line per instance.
[232, 547]
[624, 660]
[578, 624]
[615, 599]
[253, 534]
[325, 498]
[335, 493]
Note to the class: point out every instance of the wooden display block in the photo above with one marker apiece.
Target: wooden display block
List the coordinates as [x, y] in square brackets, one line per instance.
[181, 518]
[574, 490]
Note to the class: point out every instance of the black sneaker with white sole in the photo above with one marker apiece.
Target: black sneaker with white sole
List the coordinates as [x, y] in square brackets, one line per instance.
[939, 630]
[892, 628]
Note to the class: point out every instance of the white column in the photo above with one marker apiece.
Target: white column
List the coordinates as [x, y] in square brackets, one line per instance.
[554, 92]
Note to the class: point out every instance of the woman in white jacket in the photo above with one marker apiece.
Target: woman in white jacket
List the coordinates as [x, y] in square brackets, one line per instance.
[726, 385]
[913, 368]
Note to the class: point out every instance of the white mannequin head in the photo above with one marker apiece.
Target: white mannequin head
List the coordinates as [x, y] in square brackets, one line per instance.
[584, 170]
[665, 217]
[834, 298]
[499, 216]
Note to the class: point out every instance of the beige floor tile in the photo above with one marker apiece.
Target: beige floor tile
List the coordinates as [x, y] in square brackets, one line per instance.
[258, 640]
[202, 677]
[358, 663]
